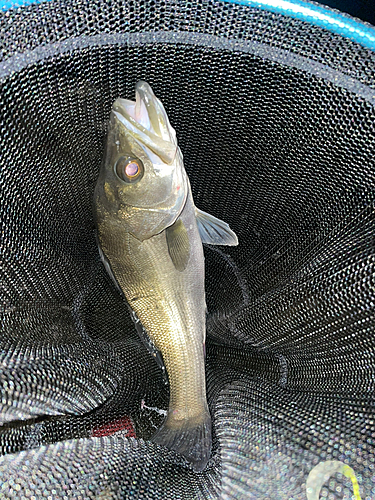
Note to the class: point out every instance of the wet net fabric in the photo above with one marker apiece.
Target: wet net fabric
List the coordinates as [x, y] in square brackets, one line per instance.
[275, 119]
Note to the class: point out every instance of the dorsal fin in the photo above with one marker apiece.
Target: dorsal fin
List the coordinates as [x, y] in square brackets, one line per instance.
[214, 231]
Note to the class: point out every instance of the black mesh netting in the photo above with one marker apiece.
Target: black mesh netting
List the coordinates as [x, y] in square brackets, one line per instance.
[275, 118]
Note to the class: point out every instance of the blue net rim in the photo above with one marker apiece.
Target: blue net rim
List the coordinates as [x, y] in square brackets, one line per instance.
[318, 15]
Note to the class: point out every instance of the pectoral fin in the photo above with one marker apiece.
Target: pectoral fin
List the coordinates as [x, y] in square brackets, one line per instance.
[214, 231]
[178, 244]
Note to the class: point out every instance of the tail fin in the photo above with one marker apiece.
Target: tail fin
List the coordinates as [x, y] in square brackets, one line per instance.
[191, 441]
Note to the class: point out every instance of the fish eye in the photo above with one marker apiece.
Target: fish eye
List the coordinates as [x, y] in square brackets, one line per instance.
[129, 169]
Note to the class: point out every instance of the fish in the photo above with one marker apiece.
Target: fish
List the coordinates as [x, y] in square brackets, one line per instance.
[150, 236]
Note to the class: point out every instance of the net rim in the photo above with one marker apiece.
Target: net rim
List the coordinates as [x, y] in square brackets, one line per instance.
[321, 16]
[19, 62]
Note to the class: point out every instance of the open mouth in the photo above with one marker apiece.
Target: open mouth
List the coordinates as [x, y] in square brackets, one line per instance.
[146, 121]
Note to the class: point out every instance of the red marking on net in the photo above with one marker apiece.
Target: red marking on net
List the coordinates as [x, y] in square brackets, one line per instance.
[121, 424]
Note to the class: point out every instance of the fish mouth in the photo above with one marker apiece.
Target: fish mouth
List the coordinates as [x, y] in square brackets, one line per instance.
[147, 122]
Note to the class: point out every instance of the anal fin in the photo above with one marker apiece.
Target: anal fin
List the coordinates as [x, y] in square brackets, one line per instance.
[108, 268]
[147, 342]
[156, 354]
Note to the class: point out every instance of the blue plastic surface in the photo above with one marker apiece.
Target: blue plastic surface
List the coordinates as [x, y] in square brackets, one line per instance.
[311, 13]
[9, 4]
[319, 16]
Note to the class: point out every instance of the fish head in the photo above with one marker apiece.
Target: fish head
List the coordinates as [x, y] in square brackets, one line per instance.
[142, 184]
